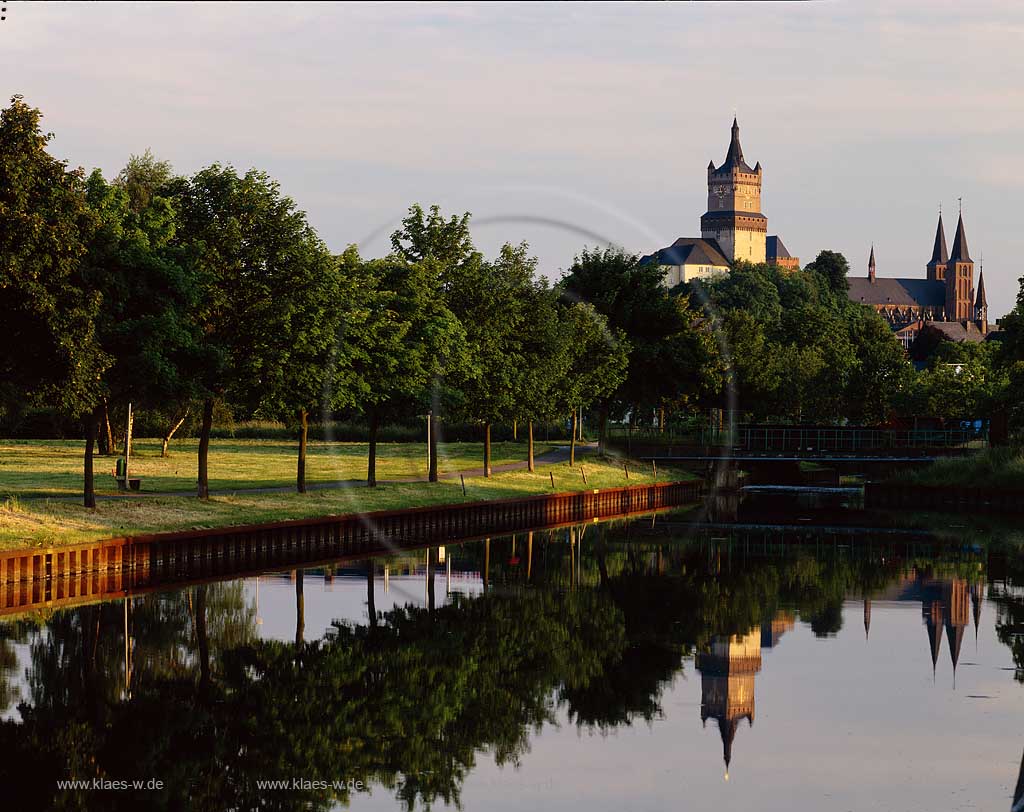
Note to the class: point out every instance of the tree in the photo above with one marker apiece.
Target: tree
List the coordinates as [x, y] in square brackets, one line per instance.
[491, 301]
[671, 357]
[149, 293]
[403, 339]
[834, 268]
[449, 245]
[254, 256]
[142, 178]
[50, 352]
[597, 363]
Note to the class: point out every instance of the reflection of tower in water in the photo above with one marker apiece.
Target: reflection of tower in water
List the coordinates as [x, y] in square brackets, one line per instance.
[727, 678]
[727, 685]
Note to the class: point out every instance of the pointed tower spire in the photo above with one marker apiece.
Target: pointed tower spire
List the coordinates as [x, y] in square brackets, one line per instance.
[871, 264]
[940, 256]
[734, 157]
[960, 252]
[981, 303]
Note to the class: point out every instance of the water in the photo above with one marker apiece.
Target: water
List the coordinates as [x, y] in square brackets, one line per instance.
[767, 653]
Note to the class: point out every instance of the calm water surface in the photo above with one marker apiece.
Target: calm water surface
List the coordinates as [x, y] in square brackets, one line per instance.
[780, 654]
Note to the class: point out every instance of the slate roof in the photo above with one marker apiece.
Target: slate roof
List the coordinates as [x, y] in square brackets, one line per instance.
[957, 330]
[939, 254]
[775, 248]
[902, 292]
[689, 251]
[734, 157]
[960, 252]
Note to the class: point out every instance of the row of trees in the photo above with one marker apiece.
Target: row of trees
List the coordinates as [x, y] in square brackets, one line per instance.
[165, 290]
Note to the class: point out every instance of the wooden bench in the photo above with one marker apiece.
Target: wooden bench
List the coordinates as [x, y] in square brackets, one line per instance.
[132, 483]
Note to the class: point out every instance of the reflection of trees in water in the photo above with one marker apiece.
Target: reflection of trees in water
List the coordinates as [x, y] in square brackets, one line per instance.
[409, 701]
[1008, 596]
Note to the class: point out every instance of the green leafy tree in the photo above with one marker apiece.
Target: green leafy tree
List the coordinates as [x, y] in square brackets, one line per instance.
[256, 259]
[834, 268]
[671, 356]
[403, 338]
[50, 353]
[149, 293]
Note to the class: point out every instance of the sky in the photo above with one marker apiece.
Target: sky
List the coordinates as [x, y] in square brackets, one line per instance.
[563, 125]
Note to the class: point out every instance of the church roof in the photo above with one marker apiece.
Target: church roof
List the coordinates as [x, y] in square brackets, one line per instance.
[734, 157]
[960, 252]
[902, 292]
[981, 301]
[689, 251]
[775, 248]
[957, 330]
[939, 254]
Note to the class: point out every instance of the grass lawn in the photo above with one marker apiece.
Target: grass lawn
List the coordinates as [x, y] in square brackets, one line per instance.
[51, 522]
[991, 468]
[54, 467]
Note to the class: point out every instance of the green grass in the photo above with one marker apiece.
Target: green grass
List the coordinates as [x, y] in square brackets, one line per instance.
[50, 522]
[991, 468]
[54, 467]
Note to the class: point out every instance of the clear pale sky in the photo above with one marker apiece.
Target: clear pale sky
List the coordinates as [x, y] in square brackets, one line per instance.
[562, 125]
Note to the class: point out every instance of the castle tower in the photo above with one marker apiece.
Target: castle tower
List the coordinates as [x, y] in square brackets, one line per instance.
[734, 218]
[981, 303]
[937, 264]
[960, 278]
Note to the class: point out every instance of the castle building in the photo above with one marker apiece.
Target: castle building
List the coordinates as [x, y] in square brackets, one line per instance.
[944, 303]
[732, 229]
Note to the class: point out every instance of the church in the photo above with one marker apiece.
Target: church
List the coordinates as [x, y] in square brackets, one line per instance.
[732, 229]
[945, 302]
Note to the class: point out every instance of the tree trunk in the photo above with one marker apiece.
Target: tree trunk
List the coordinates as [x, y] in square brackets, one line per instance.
[300, 609]
[170, 434]
[107, 443]
[487, 449]
[515, 429]
[300, 481]
[430, 579]
[529, 448]
[572, 440]
[602, 428]
[204, 449]
[371, 603]
[371, 462]
[432, 448]
[202, 642]
[89, 480]
[661, 420]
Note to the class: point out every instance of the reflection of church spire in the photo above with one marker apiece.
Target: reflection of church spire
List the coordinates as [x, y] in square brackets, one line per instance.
[933, 620]
[977, 596]
[727, 684]
[1018, 793]
[867, 617]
